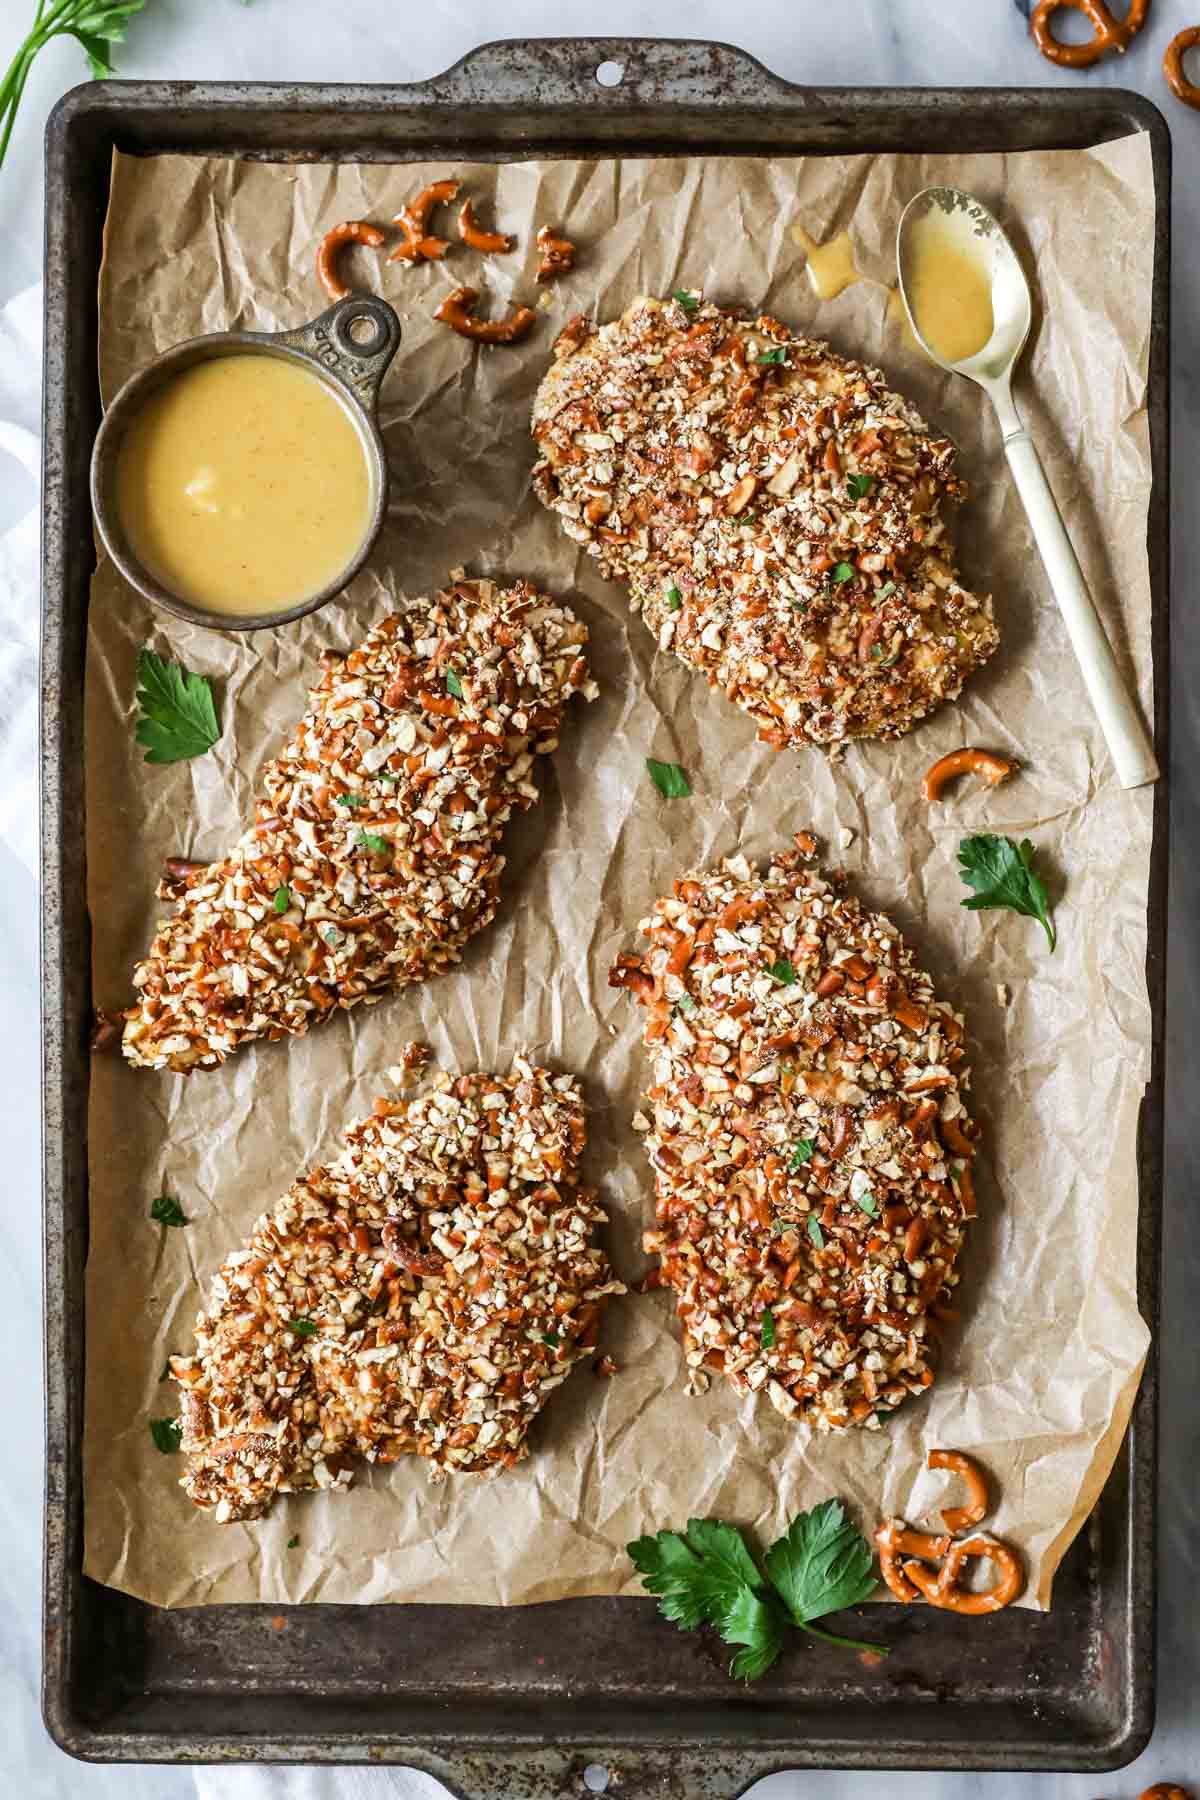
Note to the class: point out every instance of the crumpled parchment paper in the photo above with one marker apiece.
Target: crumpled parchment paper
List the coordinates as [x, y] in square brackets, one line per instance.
[1040, 1373]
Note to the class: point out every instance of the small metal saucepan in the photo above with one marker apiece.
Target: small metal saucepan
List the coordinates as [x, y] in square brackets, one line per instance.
[350, 347]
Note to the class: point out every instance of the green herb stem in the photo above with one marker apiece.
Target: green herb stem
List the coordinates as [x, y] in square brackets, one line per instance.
[831, 1637]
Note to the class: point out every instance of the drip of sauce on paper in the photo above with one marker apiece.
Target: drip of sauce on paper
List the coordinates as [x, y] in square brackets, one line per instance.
[831, 267]
[949, 288]
[243, 485]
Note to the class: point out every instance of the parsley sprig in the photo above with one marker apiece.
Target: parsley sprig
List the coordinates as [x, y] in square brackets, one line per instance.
[669, 779]
[178, 718]
[707, 1575]
[96, 25]
[1003, 875]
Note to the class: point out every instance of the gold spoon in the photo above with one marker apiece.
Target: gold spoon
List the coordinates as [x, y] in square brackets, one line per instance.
[968, 233]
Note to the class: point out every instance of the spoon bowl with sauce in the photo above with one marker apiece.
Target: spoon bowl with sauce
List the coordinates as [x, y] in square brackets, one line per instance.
[970, 310]
[240, 480]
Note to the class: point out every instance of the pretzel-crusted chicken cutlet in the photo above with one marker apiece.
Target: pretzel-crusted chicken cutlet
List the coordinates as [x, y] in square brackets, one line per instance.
[375, 851]
[810, 1145]
[775, 510]
[424, 1293]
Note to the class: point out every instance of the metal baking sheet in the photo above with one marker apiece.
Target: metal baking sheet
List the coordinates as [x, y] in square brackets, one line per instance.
[518, 1702]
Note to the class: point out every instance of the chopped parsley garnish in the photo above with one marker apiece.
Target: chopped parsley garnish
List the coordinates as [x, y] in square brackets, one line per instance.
[166, 1434]
[868, 1203]
[686, 299]
[685, 1004]
[282, 898]
[674, 599]
[179, 719]
[550, 1337]
[768, 1328]
[303, 1328]
[842, 572]
[669, 779]
[860, 485]
[1003, 875]
[707, 1575]
[453, 684]
[815, 1232]
[801, 1154]
[371, 840]
[889, 587]
[166, 1211]
[782, 972]
[293, 1541]
[771, 356]
[349, 800]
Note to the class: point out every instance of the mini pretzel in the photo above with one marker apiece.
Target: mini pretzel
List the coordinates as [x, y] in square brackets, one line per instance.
[413, 219]
[992, 767]
[942, 1590]
[491, 243]
[1177, 81]
[1165, 1790]
[558, 254]
[959, 1518]
[894, 1538]
[459, 304]
[1110, 33]
[352, 231]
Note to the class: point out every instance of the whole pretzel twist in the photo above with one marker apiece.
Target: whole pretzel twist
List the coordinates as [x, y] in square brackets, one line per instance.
[1177, 81]
[1110, 33]
[456, 311]
[413, 221]
[351, 231]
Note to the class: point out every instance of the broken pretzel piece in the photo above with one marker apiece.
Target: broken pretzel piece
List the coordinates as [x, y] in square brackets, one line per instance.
[457, 308]
[491, 243]
[942, 1590]
[413, 221]
[351, 231]
[961, 1518]
[988, 763]
[558, 254]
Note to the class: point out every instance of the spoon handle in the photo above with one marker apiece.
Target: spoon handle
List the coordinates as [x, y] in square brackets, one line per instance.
[1128, 741]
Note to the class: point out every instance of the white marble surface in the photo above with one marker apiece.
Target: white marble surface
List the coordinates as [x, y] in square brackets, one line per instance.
[885, 42]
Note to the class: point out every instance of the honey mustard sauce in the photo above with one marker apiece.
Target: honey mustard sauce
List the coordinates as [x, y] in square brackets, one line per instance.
[949, 289]
[243, 486]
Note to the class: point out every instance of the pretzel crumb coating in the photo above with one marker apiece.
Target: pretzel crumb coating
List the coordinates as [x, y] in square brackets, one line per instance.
[806, 1082]
[424, 1293]
[375, 853]
[775, 510]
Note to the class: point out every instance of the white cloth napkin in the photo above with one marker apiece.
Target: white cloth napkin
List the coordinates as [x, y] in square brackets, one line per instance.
[20, 353]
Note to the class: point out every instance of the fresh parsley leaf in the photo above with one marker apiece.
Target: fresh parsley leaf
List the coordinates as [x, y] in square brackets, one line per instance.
[371, 840]
[293, 1541]
[453, 684]
[698, 1574]
[686, 299]
[801, 1154]
[303, 1328]
[842, 572]
[166, 1434]
[282, 898]
[815, 1232]
[674, 599]
[178, 719]
[822, 1565]
[685, 1004]
[550, 1337]
[350, 800]
[768, 1328]
[96, 25]
[755, 1621]
[1003, 875]
[772, 356]
[782, 972]
[860, 485]
[166, 1211]
[669, 779]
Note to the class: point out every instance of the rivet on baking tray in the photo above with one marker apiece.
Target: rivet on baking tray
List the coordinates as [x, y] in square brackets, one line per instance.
[610, 74]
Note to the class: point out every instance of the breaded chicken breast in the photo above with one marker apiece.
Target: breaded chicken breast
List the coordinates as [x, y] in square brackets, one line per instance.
[775, 510]
[375, 852]
[425, 1293]
[808, 1135]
